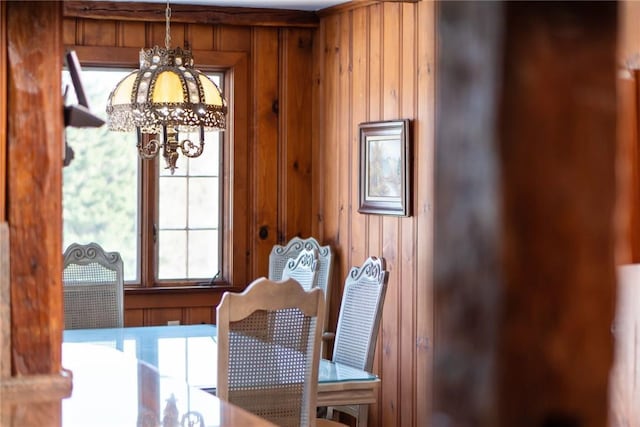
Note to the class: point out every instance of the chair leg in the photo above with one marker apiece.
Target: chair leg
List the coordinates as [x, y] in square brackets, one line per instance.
[363, 416]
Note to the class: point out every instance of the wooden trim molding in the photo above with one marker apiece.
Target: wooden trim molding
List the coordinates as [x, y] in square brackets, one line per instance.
[190, 14]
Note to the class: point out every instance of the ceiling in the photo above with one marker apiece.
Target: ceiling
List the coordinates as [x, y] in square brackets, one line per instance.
[307, 5]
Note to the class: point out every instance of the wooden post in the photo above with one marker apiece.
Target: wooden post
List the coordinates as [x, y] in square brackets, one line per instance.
[35, 133]
[526, 189]
[558, 141]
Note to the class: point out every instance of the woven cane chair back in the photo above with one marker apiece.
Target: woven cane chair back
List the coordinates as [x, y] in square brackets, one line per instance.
[303, 268]
[269, 349]
[93, 287]
[280, 255]
[358, 323]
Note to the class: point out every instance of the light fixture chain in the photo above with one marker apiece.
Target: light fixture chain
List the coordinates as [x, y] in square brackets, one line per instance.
[167, 37]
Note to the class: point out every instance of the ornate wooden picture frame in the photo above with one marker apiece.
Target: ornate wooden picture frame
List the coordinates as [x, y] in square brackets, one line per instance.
[385, 168]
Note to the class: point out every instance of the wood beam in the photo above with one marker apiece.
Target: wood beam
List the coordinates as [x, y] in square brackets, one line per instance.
[35, 134]
[190, 14]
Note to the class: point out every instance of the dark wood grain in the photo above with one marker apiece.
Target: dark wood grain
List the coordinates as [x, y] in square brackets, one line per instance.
[264, 159]
[294, 117]
[191, 14]
[628, 170]
[35, 136]
[3, 107]
[557, 162]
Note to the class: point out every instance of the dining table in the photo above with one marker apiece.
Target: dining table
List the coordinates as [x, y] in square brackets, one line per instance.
[189, 353]
[114, 389]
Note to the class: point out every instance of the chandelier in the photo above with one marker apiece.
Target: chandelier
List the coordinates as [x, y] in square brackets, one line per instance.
[165, 97]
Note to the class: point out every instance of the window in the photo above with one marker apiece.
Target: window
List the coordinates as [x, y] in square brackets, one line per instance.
[188, 210]
[167, 228]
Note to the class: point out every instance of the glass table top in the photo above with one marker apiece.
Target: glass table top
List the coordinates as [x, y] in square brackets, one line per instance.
[186, 352]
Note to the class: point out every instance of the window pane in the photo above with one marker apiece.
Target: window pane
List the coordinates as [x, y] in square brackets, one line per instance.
[172, 263]
[207, 163]
[203, 254]
[189, 207]
[173, 202]
[203, 203]
[100, 186]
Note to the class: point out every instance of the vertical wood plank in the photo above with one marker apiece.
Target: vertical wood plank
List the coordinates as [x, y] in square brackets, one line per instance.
[68, 31]
[341, 157]
[295, 109]
[161, 316]
[631, 121]
[201, 37]
[424, 135]
[358, 250]
[35, 129]
[391, 320]
[235, 38]
[133, 34]
[133, 317]
[374, 246]
[99, 33]
[264, 147]
[332, 96]
[197, 315]
[559, 193]
[3, 109]
[318, 96]
[239, 89]
[376, 100]
[406, 283]
[627, 219]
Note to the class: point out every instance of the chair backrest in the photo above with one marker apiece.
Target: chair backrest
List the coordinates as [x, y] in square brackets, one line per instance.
[269, 350]
[93, 287]
[303, 268]
[281, 254]
[360, 312]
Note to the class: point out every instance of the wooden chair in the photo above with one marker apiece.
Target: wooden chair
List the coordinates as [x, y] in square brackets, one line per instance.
[93, 287]
[269, 350]
[280, 255]
[303, 268]
[358, 323]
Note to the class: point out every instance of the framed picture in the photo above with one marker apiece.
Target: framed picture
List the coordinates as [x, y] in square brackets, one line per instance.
[385, 168]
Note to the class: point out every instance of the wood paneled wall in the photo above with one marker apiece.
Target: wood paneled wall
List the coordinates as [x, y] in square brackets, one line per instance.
[308, 89]
[372, 63]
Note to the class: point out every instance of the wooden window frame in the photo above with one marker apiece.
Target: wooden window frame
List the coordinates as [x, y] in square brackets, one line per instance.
[234, 221]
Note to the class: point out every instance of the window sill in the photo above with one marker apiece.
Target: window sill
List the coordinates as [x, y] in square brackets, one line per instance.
[178, 289]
